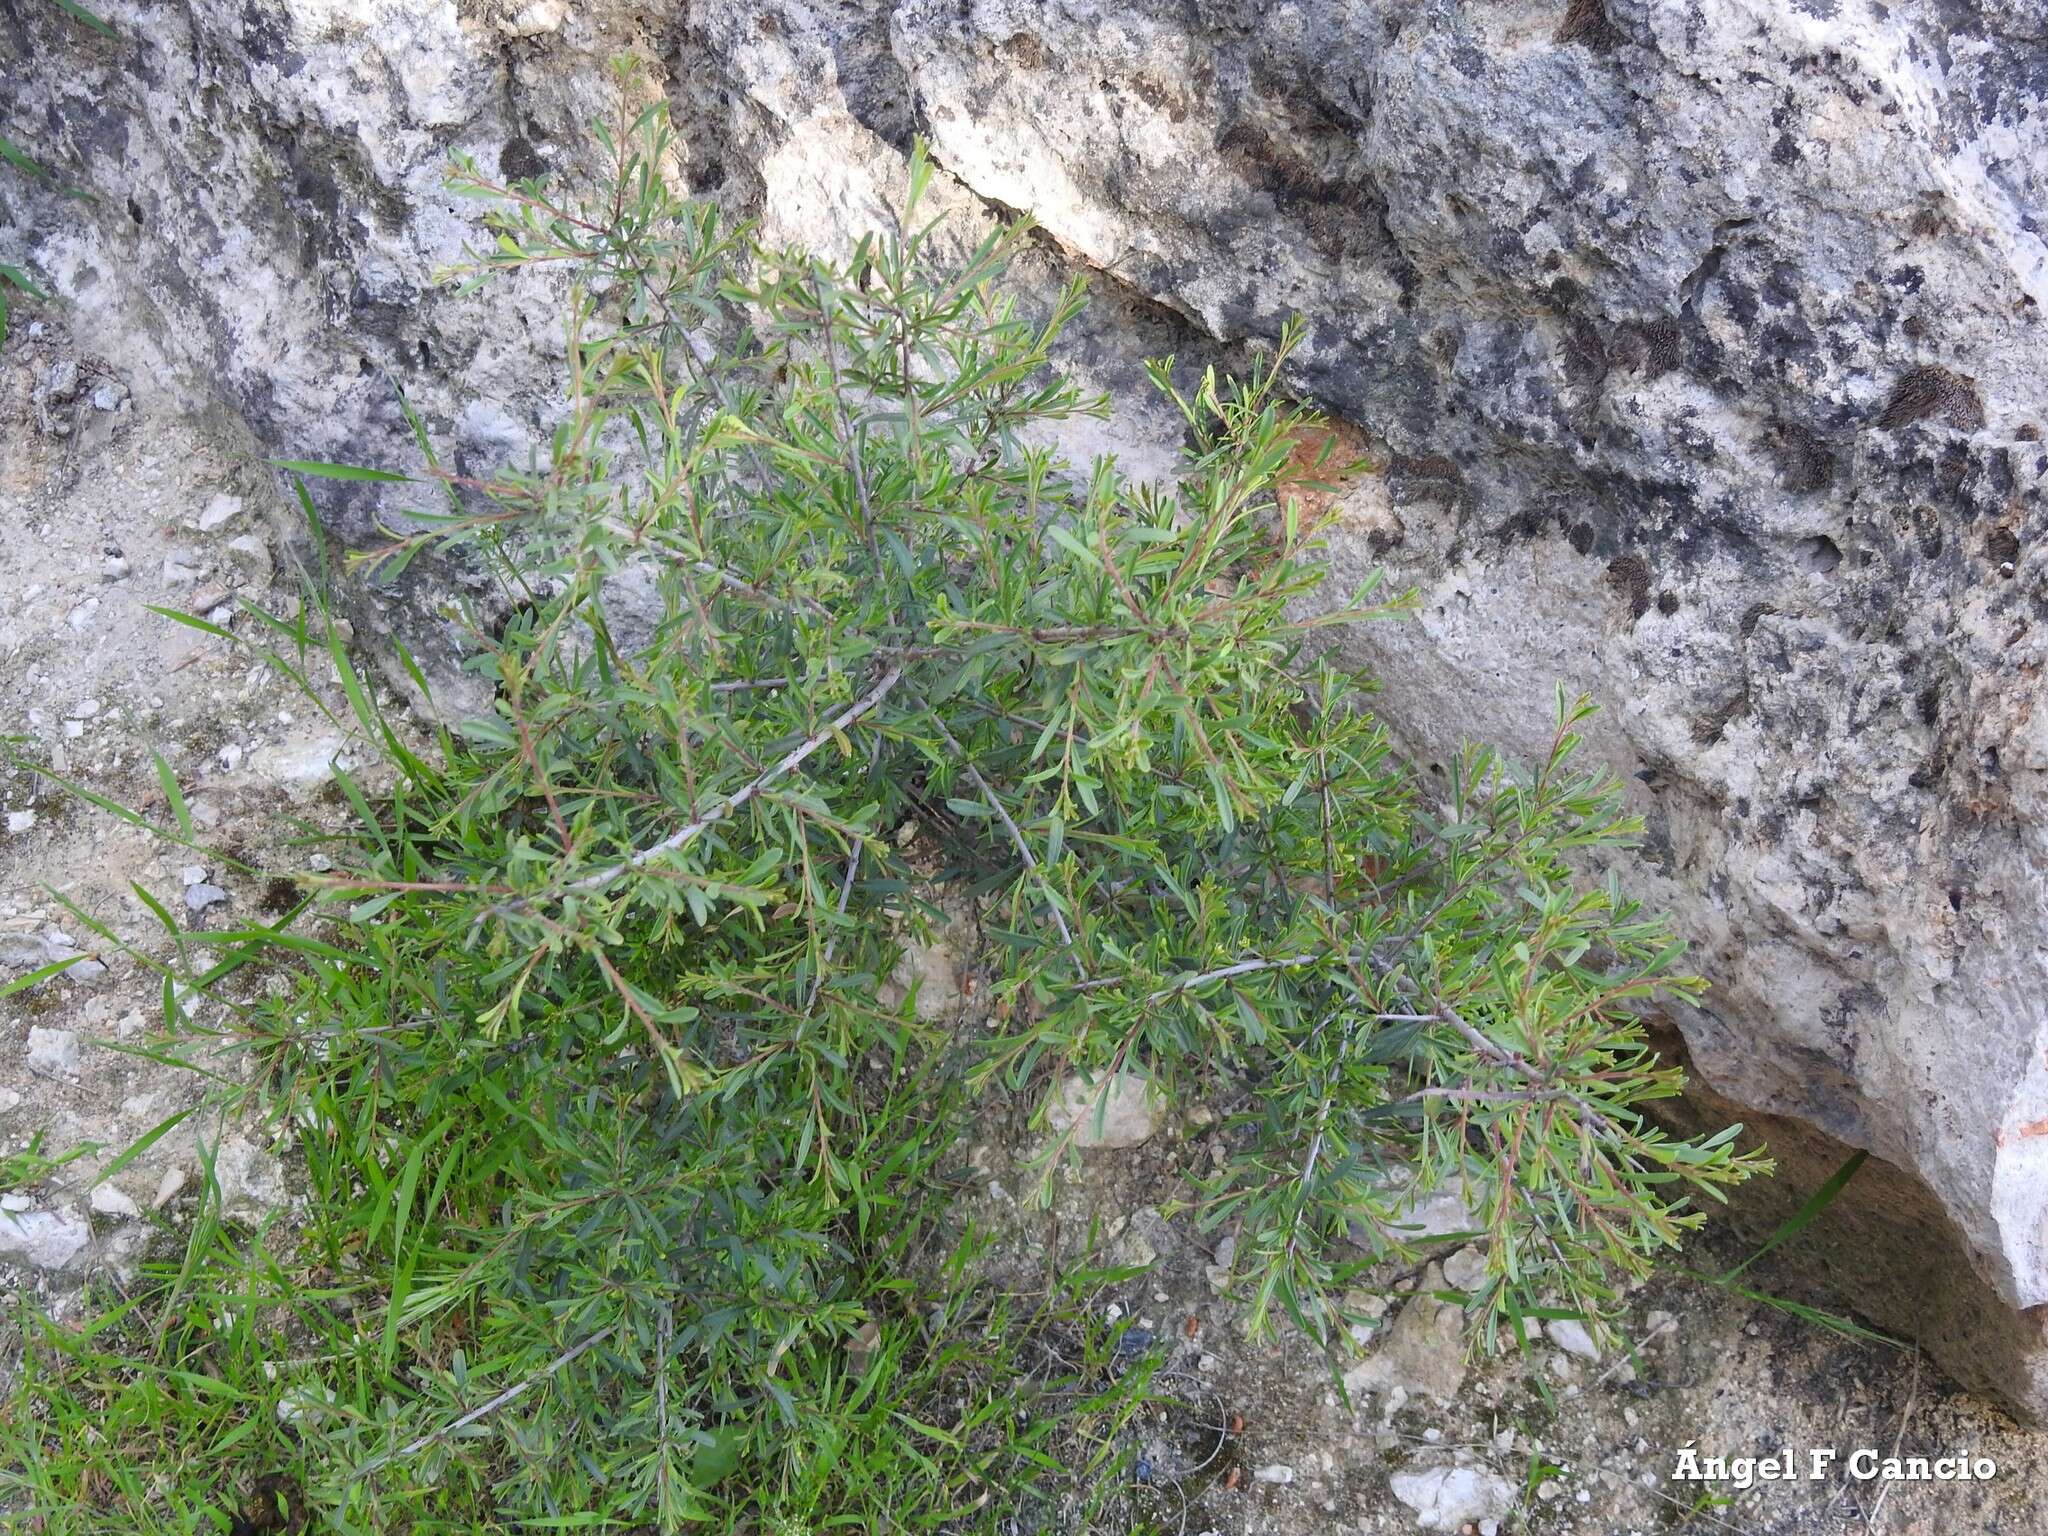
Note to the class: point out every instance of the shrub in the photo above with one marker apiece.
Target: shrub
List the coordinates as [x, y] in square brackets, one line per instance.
[808, 627]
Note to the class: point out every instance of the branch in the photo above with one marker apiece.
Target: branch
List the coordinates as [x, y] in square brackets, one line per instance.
[1500, 1055]
[1241, 968]
[832, 939]
[1023, 848]
[683, 836]
[484, 1409]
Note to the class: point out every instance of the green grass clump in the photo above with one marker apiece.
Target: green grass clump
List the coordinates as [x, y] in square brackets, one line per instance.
[629, 1191]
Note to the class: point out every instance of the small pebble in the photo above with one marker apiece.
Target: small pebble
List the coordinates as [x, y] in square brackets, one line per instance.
[219, 512]
[167, 1188]
[109, 1201]
[200, 896]
[251, 557]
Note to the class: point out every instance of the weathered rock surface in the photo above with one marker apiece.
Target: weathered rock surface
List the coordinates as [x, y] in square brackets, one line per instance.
[1105, 1113]
[251, 1180]
[1698, 348]
[1454, 1496]
[46, 1240]
[1422, 1355]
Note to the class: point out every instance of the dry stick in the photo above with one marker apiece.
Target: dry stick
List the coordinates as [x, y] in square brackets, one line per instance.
[1898, 1440]
[1023, 848]
[683, 836]
[726, 578]
[1256, 963]
[1695, 1512]
[1647, 1339]
[832, 939]
[484, 1409]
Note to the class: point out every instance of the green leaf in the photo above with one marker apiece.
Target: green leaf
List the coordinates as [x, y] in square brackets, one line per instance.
[172, 795]
[1810, 1209]
[40, 975]
[326, 471]
[142, 1144]
[78, 12]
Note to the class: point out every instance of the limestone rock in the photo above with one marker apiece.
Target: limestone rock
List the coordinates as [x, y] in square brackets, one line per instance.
[53, 1052]
[252, 558]
[1422, 1354]
[110, 1201]
[251, 1180]
[220, 511]
[1442, 1211]
[936, 966]
[1571, 1336]
[1465, 1270]
[1449, 1497]
[304, 765]
[1104, 1112]
[46, 1240]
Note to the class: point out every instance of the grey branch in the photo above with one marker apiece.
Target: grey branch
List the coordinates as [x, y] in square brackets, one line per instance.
[1023, 848]
[483, 1410]
[1241, 968]
[683, 836]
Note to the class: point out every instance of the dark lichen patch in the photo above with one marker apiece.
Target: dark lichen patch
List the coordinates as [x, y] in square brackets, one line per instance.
[1650, 348]
[2003, 546]
[1420, 476]
[1630, 576]
[1170, 104]
[1953, 473]
[1927, 704]
[1337, 213]
[520, 161]
[1585, 373]
[1927, 534]
[1936, 393]
[1710, 727]
[1805, 463]
[1667, 602]
[1023, 50]
[1587, 23]
[1583, 538]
